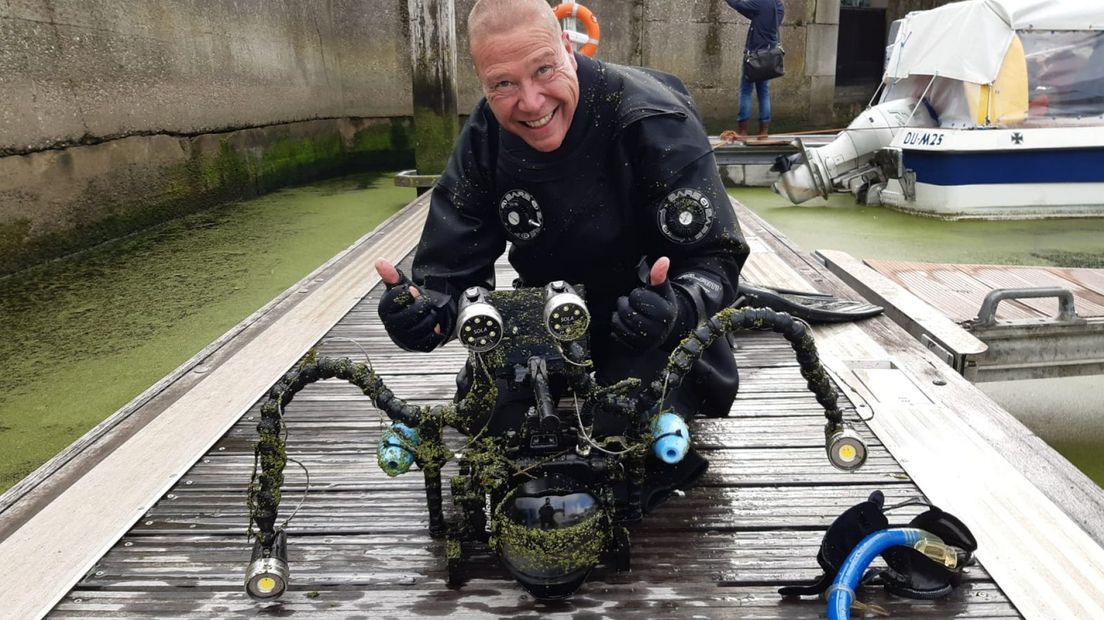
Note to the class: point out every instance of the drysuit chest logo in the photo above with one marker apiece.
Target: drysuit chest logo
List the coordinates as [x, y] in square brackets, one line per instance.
[685, 215]
[520, 214]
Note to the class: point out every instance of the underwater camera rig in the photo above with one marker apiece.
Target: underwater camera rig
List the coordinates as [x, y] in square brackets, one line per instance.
[554, 465]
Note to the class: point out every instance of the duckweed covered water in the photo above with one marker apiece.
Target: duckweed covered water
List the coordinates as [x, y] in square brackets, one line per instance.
[86, 334]
[1068, 413]
[881, 233]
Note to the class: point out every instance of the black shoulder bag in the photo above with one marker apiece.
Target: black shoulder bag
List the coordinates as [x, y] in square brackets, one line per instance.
[765, 64]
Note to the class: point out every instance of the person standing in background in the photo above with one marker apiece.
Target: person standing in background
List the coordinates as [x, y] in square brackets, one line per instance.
[766, 17]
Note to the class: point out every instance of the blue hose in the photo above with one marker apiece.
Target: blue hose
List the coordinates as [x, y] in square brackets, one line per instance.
[842, 592]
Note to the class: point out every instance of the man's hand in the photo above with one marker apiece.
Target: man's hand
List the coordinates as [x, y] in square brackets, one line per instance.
[646, 316]
[409, 318]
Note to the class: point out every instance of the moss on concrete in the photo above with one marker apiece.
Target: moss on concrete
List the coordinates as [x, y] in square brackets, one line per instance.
[393, 140]
[228, 168]
[13, 235]
[215, 170]
[434, 136]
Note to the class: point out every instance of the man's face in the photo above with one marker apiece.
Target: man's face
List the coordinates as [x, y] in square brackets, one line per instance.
[528, 76]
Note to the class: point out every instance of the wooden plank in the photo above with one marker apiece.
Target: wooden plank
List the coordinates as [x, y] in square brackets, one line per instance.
[956, 294]
[960, 470]
[359, 542]
[734, 466]
[1089, 301]
[985, 485]
[716, 507]
[1067, 486]
[49, 553]
[957, 290]
[1048, 565]
[602, 597]
[1091, 280]
[722, 557]
[1039, 347]
[907, 310]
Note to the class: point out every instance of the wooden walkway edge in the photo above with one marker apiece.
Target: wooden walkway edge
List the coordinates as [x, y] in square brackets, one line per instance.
[44, 556]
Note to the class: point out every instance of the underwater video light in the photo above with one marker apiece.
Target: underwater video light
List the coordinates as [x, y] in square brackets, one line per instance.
[846, 450]
[267, 575]
[565, 313]
[479, 325]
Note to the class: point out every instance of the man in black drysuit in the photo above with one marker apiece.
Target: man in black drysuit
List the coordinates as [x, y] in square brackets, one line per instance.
[597, 174]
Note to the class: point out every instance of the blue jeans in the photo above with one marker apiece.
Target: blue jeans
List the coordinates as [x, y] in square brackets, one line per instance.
[763, 88]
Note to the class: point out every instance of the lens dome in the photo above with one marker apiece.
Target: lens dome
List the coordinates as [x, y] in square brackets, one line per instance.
[549, 533]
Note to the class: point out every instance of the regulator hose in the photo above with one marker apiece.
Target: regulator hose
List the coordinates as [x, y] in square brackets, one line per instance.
[842, 592]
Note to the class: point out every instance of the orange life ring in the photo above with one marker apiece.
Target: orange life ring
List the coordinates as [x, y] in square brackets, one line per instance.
[580, 12]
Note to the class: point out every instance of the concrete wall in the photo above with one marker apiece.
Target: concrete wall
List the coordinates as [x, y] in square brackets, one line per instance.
[115, 114]
[61, 200]
[118, 114]
[74, 71]
[87, 70]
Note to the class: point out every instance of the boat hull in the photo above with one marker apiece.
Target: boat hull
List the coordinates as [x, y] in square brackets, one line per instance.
[1022, 173]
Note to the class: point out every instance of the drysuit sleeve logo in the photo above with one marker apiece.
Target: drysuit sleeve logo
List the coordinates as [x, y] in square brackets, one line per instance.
[685, 215]
[520, 214]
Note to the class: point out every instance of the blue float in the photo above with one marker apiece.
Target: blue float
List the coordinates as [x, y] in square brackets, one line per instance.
[671, 437]
[395, 453]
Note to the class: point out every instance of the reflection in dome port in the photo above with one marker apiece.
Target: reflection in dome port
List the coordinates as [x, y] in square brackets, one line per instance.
[549, 534]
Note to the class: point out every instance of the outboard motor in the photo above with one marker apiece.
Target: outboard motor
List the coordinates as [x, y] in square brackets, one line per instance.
[846, 162]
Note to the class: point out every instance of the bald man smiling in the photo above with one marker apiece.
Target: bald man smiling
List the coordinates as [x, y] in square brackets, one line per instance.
[596, 174]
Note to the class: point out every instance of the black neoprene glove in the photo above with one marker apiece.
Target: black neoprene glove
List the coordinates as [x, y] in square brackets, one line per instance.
[648, 316]
[410, 320]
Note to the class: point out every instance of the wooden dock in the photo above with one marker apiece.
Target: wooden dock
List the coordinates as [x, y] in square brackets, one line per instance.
[990, 322]
[148, 517]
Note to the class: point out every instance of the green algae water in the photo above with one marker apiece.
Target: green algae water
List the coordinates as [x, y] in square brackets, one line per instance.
[1067, 413]
[881, 233]
[86, 334]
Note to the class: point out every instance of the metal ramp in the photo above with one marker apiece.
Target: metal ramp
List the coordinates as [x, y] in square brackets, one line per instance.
[1032, 322]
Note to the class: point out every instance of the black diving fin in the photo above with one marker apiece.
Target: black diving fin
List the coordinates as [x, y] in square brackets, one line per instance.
[811, 307]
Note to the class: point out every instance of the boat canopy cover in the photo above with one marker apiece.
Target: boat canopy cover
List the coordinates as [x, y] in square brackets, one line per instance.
[968, 40]
[1050, 14]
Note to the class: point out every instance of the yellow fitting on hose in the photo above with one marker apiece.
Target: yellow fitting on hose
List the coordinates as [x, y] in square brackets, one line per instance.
[939, 551]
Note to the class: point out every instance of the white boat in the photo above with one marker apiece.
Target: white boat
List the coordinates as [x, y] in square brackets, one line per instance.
[988, 109]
